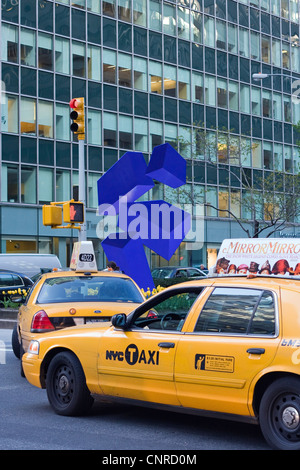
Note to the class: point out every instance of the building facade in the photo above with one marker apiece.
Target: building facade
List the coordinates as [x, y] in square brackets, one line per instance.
[151, 71]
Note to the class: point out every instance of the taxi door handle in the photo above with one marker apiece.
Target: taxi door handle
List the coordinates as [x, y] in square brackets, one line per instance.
[256, 351]
[166, 345]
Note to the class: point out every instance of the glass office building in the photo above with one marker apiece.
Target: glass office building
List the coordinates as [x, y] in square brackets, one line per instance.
[151, 71]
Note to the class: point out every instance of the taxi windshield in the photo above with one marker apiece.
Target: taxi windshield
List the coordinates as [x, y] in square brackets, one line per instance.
[88, 289]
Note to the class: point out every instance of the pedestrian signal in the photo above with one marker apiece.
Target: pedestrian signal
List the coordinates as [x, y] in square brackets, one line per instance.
[73, 212]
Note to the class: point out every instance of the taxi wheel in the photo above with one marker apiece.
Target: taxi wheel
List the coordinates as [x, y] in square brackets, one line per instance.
[15, 342]
[66, 386]
[279, 414]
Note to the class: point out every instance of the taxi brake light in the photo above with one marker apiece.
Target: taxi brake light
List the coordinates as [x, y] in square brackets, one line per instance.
[41, 322]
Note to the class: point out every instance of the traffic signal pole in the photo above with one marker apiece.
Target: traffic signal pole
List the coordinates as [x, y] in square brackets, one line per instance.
[81, 167]
[78, 127]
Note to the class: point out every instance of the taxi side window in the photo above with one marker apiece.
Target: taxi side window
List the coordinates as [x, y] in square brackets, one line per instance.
[168, 314]
[238, 311]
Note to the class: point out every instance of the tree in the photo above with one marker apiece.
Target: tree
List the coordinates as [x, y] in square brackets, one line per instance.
[269, 200]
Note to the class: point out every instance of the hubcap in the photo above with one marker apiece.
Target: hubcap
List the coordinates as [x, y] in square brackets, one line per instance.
[286, 417]
[290, 417]
[63, 384]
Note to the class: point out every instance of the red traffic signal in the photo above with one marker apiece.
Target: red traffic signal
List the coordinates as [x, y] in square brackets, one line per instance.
[77, 116]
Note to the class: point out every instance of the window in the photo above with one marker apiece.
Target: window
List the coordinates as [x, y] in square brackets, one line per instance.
[110, 130]
[184, 91]
[267, 103]
[238, 311]
[78, 59]
[93, 63]
[88, 289]
[62, 55]
[45, 185]
[125, 67]
[94, 127]
[170, 81]
[196, 27]
[124, 10]
[222, 93]
[244, 42]
[9, 43]
[183, 23]
[45, 119]
[109, 7]
[27, 47]
[28, 185]
[197, 88]
[125, 132]
[28, 116]
[155, 69]
[63, 185]
[209, 31]
[221, 35]
[167, 313]
[62, 122]
[169, 20]
[9, 118]
[141, 135]
[155, 15]
[109, 66]
[139, 12]
[45, 51]
[9, 183]
[265, 49]
[232, 38]
[140, 74]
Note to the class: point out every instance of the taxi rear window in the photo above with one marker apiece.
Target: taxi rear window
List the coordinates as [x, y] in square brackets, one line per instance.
[238, 311]
[88, 289]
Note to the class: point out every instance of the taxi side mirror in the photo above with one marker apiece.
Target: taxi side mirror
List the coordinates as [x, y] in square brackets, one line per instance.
[119, 320]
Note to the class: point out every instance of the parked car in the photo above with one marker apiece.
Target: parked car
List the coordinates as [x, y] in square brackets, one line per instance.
[12, 282]
[168, 272]
[67, 298]
[29, 263]
[226, 346]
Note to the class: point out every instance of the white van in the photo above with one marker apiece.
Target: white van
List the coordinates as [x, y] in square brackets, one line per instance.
[259, 256]
[29, 263]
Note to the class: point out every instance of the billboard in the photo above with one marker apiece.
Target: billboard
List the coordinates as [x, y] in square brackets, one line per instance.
[259, 256]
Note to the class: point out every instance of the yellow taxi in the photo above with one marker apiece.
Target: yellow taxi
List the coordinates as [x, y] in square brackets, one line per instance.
[68, 298]
[220, 346]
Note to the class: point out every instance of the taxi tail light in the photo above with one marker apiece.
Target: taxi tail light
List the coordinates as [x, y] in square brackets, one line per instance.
[41, 322]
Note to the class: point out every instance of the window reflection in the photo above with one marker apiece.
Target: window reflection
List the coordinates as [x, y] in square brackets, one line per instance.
[238, 311]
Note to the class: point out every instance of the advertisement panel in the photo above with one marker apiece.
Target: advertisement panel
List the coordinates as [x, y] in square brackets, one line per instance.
[259, 256]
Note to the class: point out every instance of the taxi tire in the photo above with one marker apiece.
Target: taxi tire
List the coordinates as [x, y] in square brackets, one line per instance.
[66, 386]
[281, 396]
[15, 343]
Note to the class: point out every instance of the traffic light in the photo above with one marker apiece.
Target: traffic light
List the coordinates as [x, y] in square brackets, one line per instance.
[77, 116]
[73, 212]
[52, 215]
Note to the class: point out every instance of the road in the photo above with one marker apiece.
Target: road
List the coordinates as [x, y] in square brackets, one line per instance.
[28, 423]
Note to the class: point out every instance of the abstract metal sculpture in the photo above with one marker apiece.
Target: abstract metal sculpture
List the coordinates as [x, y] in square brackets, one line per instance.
[157, 225]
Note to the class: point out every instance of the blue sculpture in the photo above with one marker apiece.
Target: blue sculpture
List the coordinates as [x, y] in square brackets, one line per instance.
[156, 224]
